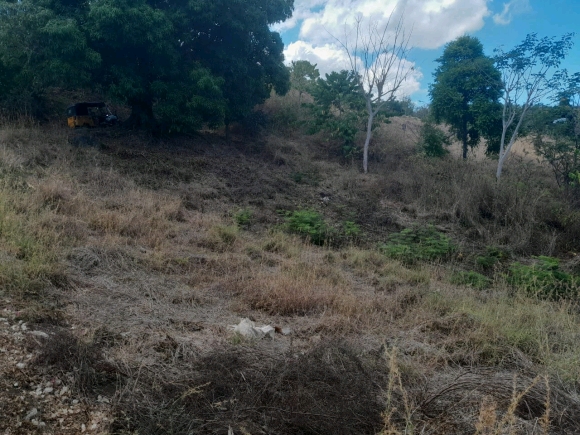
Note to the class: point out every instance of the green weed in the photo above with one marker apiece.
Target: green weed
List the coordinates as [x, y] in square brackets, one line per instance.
[309, 223]
[418, 244]
[471, 279]
[544, 279]
[243, 217]
[491, 258]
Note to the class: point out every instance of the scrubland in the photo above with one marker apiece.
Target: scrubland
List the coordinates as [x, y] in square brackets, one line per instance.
[131, 256]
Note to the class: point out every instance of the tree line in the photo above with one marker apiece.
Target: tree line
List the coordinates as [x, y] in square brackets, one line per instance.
[182, 64]
[178, 64]
[497, 98]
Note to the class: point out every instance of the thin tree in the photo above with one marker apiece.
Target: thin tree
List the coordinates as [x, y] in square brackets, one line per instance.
[378, 55]
[530, 75]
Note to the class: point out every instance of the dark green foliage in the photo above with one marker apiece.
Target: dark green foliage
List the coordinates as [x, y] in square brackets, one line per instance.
[234, 41]
[492, 257]
[309, 223]
[351, 229]
[312, 224]
[466, 91]
[433, 141]
[557, 135]
[416, 244]
[243, 217]
[179, 65]
[471, 279]
[303, 76]
[338, 109]
[40, 48]
[311, 178]
[544, 279]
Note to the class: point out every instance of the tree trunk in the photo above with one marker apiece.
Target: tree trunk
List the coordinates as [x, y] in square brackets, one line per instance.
[227, 129]
[141, 114]
[368, 140]
[499, 166]
[464, 139]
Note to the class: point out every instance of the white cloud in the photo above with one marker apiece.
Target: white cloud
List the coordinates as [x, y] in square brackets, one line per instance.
[330, 57]
[511, 9]
[431, 24]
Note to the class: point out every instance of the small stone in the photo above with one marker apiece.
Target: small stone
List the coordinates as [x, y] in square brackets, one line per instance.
[20, 365]
[48, 390]
[39, 334]
[75, 401]
[24, 327]
[286, 331]
[31, 414]
[63, 390]
[83, 427]
[15, 384]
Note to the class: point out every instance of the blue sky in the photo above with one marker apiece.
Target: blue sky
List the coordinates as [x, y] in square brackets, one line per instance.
[310, 33]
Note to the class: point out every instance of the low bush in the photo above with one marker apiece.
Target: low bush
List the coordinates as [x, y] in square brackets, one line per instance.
[471, 279]
[544, 279]
[418, 244]
[243, 217]
[309, 223]
[492, 257]
[433, 141]
[351, 229]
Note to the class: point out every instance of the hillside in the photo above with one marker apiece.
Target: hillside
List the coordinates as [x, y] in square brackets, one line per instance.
[125, 261]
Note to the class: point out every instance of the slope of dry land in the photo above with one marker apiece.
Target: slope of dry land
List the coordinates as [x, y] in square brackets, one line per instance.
[125, 261]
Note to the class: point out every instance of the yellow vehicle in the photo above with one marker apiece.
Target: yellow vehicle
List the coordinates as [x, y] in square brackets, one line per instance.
[90, 115]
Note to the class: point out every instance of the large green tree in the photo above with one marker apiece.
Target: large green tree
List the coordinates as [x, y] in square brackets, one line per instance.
[338, 108]
[176, 63]
[465, 92]
[303, 76]
[40, 47]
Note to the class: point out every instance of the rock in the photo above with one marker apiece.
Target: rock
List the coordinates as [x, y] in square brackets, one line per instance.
[39, 334]
[20, 365]
[31, 414]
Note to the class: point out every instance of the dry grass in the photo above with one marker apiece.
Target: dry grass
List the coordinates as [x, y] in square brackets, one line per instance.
[169, 270]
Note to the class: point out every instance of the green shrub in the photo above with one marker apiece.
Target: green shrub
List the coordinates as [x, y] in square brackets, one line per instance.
[243, 217]
[544, 279]
[351, 229]
[491, 258]
[311, 178]
[418, 244]
[471, 279]
[433, 141]
[311, 224]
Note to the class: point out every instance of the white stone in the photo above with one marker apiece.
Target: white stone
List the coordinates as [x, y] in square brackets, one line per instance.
[31, 414]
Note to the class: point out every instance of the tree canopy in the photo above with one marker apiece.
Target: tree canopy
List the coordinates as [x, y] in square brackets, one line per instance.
[466, 91]
[177, 64]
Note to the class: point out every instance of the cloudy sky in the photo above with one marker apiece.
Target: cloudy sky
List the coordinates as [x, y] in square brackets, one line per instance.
[317, 25]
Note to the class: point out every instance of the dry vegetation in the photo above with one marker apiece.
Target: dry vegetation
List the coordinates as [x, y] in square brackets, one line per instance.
[130, 255]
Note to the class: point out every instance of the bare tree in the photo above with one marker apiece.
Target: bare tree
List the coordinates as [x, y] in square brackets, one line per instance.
[530, 75]
[378, 55]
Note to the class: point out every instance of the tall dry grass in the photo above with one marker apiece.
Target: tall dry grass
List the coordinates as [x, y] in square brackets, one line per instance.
[156, 264]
